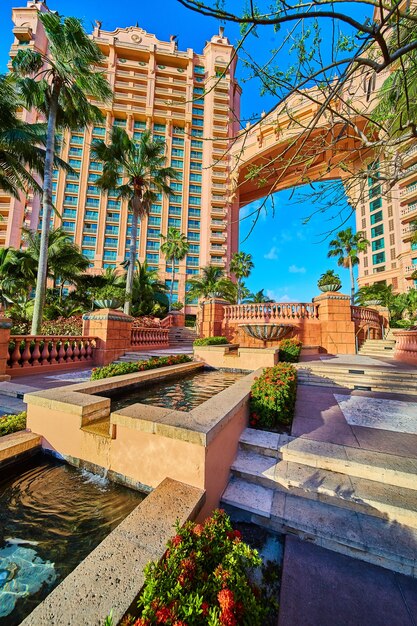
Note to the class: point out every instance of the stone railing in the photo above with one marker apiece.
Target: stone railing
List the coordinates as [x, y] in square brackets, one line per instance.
[146, 336]
[270, 312]
[364, 315]
[31, 351]
[406, 346]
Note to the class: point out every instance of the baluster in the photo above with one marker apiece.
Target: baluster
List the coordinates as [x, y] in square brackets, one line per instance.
[36, 352]
[15, 356]
[76, 351]
[54, 353]
[26, 353]
[88, 350]
[82, 350]
[61, 350]
[69, 352]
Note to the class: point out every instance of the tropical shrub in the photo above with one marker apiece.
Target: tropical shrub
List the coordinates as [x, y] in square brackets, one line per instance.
[203, 578]
[405, 324]
[12, 423]
[63, 326]
[118, 369]
[211, 341]
[289, 350]
[146, 321]
[273, 397]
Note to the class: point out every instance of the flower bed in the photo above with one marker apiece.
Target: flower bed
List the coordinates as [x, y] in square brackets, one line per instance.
[117, 369]
[289, 350]
[204, 578]
[273, 397]
[210, 341]
[12, 423]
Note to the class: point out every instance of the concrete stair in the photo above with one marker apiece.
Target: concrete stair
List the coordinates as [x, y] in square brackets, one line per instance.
[370, 378]
[352, 501]
[181, 337]
[378, 348]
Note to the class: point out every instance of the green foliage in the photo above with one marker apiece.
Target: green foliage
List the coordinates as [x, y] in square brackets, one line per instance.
[329, 277]
[289, 350]
[118, 369]
[110, 292]
[210, 341]
[177, 306]
[241, 265]
[63, 326]
[273, 397]
[12, 423]
[203, 579]
[212, 283]
[405, 324]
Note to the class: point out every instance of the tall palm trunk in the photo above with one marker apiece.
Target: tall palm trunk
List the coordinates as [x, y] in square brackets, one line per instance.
[352, 283]
[171, 290]
[132, 261]
[47, 211]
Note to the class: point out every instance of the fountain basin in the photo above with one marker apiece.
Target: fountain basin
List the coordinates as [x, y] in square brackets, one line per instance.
[266, 332]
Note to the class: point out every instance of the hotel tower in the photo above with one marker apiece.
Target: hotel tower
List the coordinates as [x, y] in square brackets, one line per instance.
[192, 102]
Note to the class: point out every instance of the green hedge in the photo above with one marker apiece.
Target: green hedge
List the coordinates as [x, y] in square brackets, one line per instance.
[289, 350]
[211, 341]
[117, 369]
[12, 423]
[273, 397]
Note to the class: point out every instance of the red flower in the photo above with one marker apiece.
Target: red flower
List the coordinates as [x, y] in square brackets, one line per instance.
[205, 608]
[177, 540]
[142, 622]
[227, 618]
[226, 599]
[198, 529]
[163, 615]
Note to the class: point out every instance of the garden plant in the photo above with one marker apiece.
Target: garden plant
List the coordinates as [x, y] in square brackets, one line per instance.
[118, 369]
[273, 397]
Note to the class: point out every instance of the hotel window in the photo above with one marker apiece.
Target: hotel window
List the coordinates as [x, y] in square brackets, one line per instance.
[376, 217]
[195, 177]
[70, 200]
[77, 139]
[99, 130]
[109, 255]
[113, 204]
[194, 248]
[154, 232]
[92, 202]
[175, 223]
[194, 224]
[375, 204]
[390, 210]
[154, 221]
[111, 242]
[70, 187]
[393, 255]
[153, 245]
[377, 231]
[197, 111]
[87, 252]
[177, 141]
[152, 258]
[378, 244]
[378, 258]
[195, 188]
[192, 212]
[89, 241]
[94, 165]
[195, 166]
[159, 128]
[75, 163]
[193, 261]
[195, 143]
[177, 163]
[68, 225]
[91, 215]
[90, 228]
[198, 90]
[177, 152]
[195, 154]
[176, 186]
[174, 210]
[189, 271]
[199, 69]
[375, 191]
[93, 189]
[113, 217]
[192, 236]
[391, 225]
[112, 230]
[391, 239]
[156, 208]
[195, 200]
[69, 213]
[195, 132]
[139, 124]
[119, 123]
[92, 178]
[364, 223]
[75, 151]
[365, 261]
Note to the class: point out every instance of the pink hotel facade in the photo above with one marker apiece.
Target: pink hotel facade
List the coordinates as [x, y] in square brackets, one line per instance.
[192, 101]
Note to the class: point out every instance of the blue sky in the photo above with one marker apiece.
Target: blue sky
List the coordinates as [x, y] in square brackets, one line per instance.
[288, 256]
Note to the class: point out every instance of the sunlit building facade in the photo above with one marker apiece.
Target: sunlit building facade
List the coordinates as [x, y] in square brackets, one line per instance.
[189, 100]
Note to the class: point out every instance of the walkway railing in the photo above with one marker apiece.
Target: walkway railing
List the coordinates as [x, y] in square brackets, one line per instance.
[27, 351]
[270, 312]
[364, 315]
[406, 346]
[149, 336]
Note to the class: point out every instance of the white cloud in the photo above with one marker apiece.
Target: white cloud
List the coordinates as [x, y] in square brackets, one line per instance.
[272, 255]
[276, 297]
[285, 298]
[294, 269]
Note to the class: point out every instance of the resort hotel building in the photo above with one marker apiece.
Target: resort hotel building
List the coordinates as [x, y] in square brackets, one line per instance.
[192, 102]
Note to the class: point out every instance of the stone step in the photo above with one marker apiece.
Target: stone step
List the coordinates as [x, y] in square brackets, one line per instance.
[360, 370]
[365, 537]
[357, 494]
[366, 385]
[390, 469]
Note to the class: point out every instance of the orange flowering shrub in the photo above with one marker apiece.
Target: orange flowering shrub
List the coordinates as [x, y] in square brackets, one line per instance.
[273, 397]
[203, 579]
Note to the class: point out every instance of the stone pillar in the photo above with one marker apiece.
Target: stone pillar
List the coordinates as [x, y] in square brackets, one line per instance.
[336, 325]
[113, 332]
[212, 314]
[178, 319]
[5, 326]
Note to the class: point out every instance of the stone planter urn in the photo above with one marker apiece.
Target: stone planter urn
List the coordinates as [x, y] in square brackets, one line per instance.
[108, 303]
[330, 287]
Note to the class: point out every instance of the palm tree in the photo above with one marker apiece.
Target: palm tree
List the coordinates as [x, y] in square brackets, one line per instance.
[9, 276]
[241, 265]
[19, 144]
[142, 166]
[174, 248]
[257, 298]
[147, 290]
[346, 247]
[57, 83]
[64, 263]
[212, 283]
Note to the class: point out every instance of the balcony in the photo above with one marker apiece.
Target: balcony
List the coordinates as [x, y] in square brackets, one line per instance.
[218, 224]
[409, 270]
[22, 33]
[217, 249]
[217, 262]
[217, 236]
[410, 153]
[408, 231]
[409, 191]
[218, 199]
[409, 212]
[218, 211]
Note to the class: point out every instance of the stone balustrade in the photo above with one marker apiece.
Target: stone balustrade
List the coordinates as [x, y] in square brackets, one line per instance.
[406, 346]
[32, 351]
[364, 315]
[146, 336]
[270, 312]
